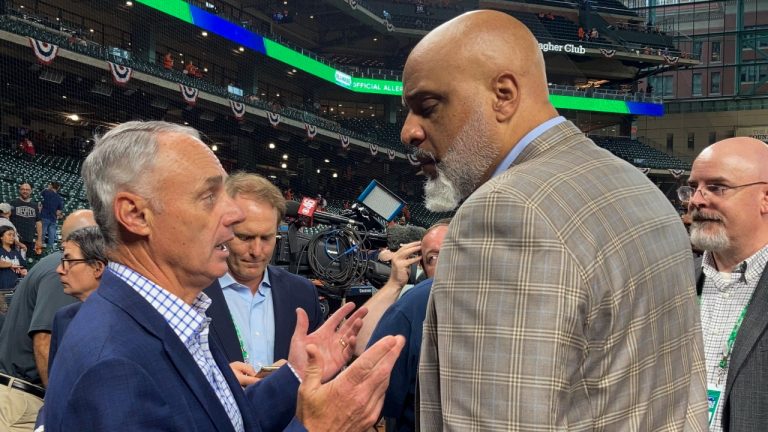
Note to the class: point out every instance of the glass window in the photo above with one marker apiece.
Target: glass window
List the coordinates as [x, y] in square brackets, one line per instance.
[714, 54]
[696, 84]
[691, 140]
[714, 82]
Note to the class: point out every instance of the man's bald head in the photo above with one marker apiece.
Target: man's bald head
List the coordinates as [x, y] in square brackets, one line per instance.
[483, 44]
[746, 155]
[76, 220]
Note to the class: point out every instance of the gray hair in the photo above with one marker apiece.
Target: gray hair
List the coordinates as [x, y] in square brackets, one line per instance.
[91, 243]
[120, 161]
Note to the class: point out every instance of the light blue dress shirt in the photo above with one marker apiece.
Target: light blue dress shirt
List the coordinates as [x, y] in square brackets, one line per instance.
[254, 317]
[523, 143]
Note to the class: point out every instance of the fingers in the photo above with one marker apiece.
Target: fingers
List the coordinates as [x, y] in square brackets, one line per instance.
[376, 363]
[302, 324]
[334, 320]
[244, 372]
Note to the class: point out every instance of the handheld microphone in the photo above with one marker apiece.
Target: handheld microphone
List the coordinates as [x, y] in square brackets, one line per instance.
[402, 234]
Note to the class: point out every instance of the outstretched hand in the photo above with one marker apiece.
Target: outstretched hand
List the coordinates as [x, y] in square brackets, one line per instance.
[334, 340]
[353, 400]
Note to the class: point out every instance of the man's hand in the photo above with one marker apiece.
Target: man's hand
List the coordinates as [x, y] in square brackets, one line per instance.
[407, 255]
[244, 372]
[334, 341]
[353, 400]
[388, 294]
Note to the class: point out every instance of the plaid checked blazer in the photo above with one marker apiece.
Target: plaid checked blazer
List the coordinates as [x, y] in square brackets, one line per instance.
[564, 299]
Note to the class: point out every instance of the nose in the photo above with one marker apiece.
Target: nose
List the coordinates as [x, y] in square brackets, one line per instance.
[697, 199]
[412, 133]
[233, 213]
[60, 269]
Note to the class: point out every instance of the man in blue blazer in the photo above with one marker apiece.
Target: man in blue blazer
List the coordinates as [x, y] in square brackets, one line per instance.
[137, 355]
[253, 310]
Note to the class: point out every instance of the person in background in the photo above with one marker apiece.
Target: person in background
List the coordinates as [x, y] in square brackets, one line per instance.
[51, 212]
[12, 264]
[25, 215]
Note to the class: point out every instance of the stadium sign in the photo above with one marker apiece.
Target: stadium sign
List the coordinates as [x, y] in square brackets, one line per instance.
[343, 79]
[568, 48]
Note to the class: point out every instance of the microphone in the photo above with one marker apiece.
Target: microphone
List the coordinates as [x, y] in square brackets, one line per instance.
[401, 234]
[295, 210]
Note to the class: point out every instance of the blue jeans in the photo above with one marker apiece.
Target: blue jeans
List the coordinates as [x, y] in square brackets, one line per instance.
[49, 230]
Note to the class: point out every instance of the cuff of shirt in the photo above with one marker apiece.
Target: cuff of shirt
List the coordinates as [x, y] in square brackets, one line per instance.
[294, 372]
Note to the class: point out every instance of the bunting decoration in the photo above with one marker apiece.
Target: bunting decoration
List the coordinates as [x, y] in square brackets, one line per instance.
[671, 59]
[391, 154]
[645, 170]
[389, 25]
[311, 130]
[374, 149]
[120, 74]
[344, 141]
[44, 51]
[352, 3]
[676, 173]
[413, 160]
[189, 94]
[608, 53]
[238, 108]
[274, 118]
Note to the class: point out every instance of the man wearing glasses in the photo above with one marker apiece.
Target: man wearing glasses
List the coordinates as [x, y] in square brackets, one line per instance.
[25, 339]
[728, 201]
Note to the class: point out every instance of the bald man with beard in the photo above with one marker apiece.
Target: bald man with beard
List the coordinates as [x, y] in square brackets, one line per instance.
[564, 294]
[728, 202]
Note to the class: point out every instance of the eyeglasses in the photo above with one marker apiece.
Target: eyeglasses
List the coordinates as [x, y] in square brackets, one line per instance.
[686, 193]
[67, 263]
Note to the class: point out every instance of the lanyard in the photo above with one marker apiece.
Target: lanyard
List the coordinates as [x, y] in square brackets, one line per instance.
[240, 339]
[731, 339]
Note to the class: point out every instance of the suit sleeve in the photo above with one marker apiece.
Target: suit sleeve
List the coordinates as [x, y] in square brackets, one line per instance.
[278, 391]
[510, 301]
[314, 310]
[394, 322]
[88, 407]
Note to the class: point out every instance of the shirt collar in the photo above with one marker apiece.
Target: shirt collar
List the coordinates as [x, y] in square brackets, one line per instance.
[228, 281]
[187, 321]
[752, 267]
[523, 143]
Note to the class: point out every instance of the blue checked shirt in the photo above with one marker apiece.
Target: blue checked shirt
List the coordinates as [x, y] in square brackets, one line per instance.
[191, 325]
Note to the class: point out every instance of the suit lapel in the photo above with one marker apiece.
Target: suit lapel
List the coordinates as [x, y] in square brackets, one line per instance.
[121, 295]
[222, 327]
[282, 321]
[752, 328]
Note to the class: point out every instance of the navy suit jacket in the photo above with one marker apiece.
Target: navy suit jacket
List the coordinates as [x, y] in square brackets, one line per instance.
[120, 366]
[289, 292]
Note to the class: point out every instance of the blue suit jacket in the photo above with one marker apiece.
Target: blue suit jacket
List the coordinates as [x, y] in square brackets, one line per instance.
[121, 367]
[289, 292]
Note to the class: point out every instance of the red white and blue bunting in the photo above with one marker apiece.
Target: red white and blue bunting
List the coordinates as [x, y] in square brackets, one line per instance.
[412, 159]
[44, 51]
[608, 52]
[344, 141]
[311, 130]
[120, 74]
[351, 3]
[374, 149]
[676, 173]
[671, 59]
[274, 118]
[238, 109]
[189, 94]
[391, 154]
[645, 171]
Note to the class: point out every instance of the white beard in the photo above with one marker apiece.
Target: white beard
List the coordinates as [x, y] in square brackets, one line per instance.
[462, 168]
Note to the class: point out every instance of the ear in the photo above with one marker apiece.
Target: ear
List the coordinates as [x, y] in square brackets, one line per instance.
[133, 213]
[507, 96]
[98, 269]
